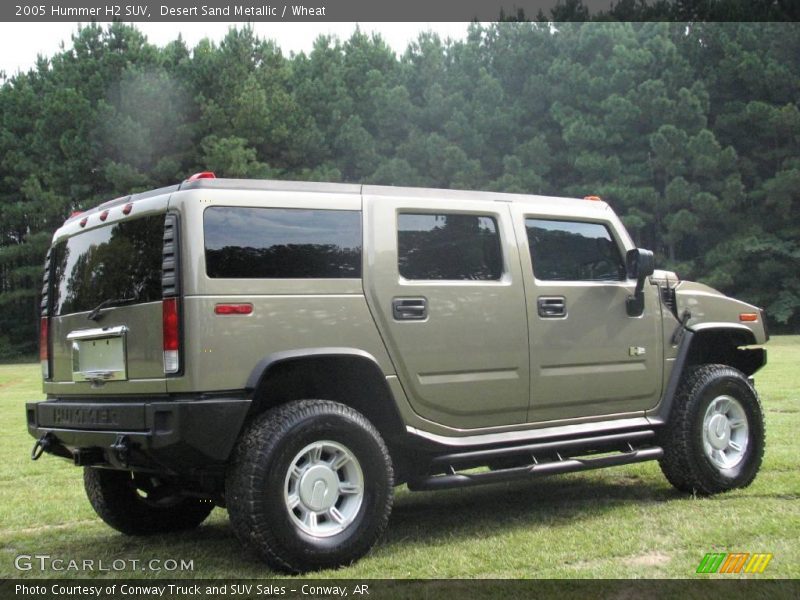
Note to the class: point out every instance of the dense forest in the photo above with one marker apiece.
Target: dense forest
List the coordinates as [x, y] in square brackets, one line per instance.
[691, 131]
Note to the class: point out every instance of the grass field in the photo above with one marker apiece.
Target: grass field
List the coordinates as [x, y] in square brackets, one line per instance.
[620, 522]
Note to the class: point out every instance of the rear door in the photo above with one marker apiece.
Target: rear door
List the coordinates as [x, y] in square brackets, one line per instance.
[444, 284]
[115, 264]
[588, 356]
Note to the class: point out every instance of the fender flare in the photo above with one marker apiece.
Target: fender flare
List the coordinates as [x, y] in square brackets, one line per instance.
[269, 361]
[387, 419]
[660, 414]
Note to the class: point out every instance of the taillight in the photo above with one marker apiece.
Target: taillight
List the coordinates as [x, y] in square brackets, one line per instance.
[44, 346]
[169, 308]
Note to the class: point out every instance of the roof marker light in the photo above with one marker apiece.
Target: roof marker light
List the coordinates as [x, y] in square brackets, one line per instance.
[104, 215]
[202, 175]
[84, 220]
[593, 198]
[126, 210]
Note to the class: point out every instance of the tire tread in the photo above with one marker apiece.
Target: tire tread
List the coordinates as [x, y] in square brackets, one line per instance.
[114, 500]
[679, 463]
[245, 478]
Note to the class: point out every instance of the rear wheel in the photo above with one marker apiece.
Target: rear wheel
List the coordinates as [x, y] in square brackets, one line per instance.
[141, 505]
[310, 486]
[714, 441]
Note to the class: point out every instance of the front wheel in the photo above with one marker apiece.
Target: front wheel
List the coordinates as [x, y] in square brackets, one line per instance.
[310, 486]
[714, 440]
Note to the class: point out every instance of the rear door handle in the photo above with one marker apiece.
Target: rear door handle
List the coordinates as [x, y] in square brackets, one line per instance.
[409, 309]
[552, 307]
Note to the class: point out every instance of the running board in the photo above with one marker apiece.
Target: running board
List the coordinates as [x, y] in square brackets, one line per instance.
[553, 467]
[621, 441]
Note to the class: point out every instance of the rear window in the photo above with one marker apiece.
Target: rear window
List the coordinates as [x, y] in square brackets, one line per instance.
[282, 243]
[120, 261]
[449, 247]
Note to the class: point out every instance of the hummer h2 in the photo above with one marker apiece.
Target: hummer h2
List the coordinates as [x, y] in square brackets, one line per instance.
[293, 351]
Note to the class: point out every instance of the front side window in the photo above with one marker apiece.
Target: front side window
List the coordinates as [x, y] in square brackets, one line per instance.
[117, 261]
[573, 251]
[282, 243]
[448, 247]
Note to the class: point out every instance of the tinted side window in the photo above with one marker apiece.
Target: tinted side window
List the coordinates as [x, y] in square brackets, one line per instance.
[448, 246]
[573, 251]
[119, 260]
[282, 243]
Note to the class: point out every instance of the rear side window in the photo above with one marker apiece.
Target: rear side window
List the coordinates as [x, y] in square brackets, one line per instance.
[121, 261]
[573, 251]
[282, 243]
[448, 246]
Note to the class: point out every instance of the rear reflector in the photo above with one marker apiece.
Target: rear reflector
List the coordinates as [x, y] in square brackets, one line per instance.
[748, 317]
[169, 313]
[44, 350]
[202, 175]
[233, 309]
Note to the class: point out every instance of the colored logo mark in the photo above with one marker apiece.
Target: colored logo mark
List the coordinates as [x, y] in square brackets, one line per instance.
[734, 562]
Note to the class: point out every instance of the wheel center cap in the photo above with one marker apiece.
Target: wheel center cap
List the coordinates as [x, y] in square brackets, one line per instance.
[318, 488]
[719, 431]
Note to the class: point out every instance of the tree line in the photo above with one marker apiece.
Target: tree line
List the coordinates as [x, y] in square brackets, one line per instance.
[691, 131]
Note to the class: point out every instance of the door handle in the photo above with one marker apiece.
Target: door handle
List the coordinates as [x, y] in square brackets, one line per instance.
[552, 307]
[409, 309]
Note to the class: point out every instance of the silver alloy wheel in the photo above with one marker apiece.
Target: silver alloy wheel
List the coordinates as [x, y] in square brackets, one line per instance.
[324, 488]
[725, 432]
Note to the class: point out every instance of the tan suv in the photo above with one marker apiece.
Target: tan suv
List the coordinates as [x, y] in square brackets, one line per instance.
[293, 351]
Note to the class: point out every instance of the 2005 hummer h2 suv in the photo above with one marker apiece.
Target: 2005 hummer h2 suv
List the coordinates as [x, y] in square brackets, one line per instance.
[293, 351]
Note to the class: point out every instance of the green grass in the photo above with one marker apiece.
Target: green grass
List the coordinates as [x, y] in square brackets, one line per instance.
[620, 522]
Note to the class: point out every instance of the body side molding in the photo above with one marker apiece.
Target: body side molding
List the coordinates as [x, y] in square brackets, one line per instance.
[595, 427]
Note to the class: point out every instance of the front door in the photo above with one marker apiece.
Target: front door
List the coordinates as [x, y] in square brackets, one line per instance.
[588, 356]
[445, 286]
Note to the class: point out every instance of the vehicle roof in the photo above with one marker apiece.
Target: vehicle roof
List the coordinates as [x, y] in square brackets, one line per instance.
[149, 200]
[385, 190]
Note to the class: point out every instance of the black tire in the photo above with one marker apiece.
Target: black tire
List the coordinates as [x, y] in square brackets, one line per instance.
[259, 477]
[685, 462]
[117, 498]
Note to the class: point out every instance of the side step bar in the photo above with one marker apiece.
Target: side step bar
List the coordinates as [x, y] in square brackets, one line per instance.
[618, 440]
[569, 465]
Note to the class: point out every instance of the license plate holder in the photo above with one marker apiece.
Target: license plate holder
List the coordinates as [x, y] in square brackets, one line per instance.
[99, 354]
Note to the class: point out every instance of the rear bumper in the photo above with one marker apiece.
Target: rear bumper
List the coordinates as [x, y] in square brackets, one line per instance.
[180, 437]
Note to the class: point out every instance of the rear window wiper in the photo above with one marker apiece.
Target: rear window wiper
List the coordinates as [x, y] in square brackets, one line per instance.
[94, 315]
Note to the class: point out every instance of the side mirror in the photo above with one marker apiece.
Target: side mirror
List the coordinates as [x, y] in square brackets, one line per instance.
[640, 264]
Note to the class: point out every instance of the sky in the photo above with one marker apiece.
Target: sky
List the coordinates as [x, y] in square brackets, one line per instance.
[20, 43]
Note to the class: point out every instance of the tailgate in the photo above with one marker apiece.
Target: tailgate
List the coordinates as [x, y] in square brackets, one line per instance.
[105, 307]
